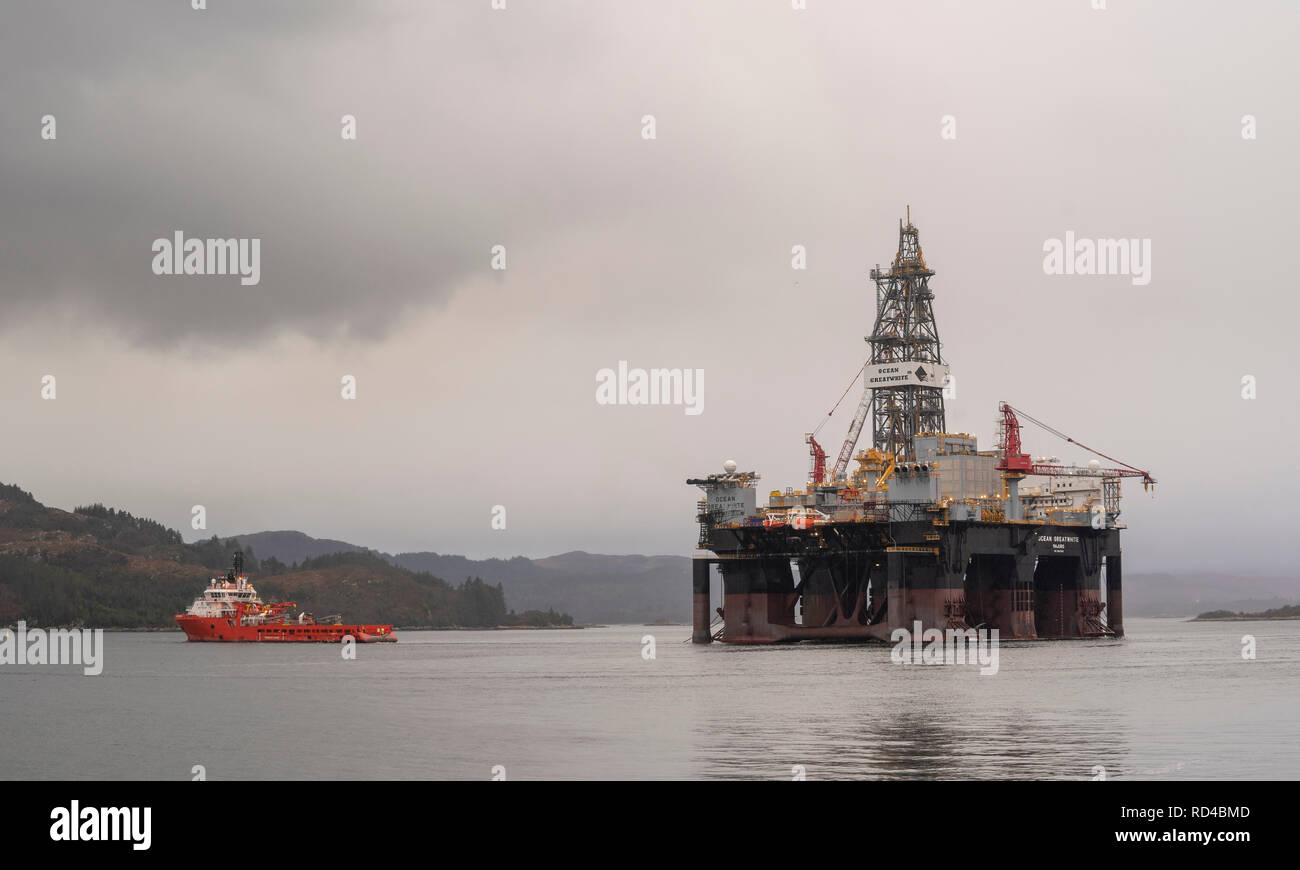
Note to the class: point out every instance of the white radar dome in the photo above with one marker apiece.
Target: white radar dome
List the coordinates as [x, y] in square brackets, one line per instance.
[729, 466]
[1093, 463]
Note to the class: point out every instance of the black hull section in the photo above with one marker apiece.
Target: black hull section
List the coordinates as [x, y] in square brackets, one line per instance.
[861, 581]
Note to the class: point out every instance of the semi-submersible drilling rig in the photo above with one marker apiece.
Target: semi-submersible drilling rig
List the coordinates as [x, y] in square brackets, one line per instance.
[928, 528]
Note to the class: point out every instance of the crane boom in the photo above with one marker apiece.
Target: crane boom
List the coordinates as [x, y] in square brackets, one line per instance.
[851, 440]
[1021, 463]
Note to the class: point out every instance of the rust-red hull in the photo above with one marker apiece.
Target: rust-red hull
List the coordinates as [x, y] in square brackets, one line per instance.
[198, 628]
[864, 580]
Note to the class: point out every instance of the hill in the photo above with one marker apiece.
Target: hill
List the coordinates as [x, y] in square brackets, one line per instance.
[594, 588]
[591, 586]
[290, 547]
[98, 566]
[365, 588]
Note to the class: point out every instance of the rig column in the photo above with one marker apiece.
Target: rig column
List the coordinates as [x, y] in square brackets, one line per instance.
[1114, 595]
[700, 569]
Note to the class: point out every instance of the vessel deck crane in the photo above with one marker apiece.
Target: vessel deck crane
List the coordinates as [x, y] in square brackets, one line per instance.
[1015, 462]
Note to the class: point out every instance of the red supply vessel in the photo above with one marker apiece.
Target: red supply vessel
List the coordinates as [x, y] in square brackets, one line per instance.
[230, 611]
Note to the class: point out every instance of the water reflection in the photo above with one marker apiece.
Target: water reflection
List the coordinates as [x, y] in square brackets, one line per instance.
[918, 742]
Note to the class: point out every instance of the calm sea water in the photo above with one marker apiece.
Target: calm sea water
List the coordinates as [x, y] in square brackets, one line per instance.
[1172, 700]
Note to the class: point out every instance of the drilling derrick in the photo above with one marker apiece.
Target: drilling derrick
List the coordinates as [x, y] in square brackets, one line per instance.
[904, 377]
[905, 334]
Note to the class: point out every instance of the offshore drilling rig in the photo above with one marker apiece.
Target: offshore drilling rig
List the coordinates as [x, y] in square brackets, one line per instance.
[928, 528]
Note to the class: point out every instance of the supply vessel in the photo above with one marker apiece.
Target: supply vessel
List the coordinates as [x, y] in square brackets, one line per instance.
[230, 610]
[927, 528]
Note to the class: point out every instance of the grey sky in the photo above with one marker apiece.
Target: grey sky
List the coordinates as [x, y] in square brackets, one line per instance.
[522, 127]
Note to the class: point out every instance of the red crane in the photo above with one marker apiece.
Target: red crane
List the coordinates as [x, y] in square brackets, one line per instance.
[818, 459]
[1015, 462]
[816, 451]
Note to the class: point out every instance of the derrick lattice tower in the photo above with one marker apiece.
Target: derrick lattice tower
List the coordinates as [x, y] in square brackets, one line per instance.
[909, 401]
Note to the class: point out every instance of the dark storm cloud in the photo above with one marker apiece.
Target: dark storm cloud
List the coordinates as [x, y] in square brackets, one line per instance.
[225, 124]
[165, 122]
